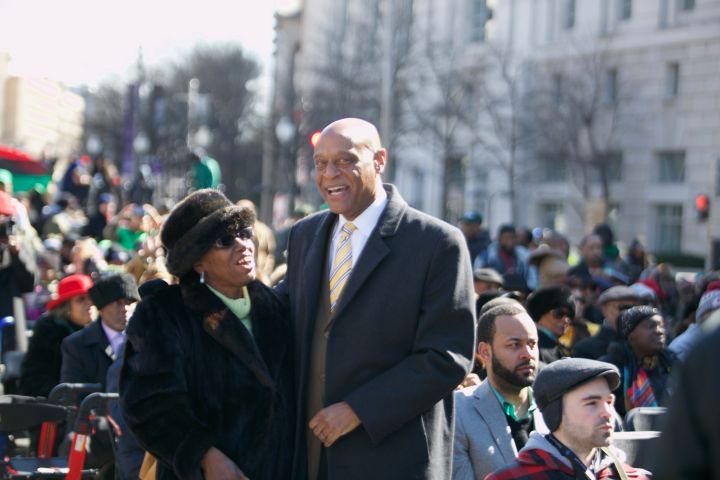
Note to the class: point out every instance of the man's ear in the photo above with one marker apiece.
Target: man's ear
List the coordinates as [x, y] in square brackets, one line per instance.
[379, 160]
[484, 353]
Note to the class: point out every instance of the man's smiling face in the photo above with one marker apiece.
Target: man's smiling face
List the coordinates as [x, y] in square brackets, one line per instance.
[346, 171]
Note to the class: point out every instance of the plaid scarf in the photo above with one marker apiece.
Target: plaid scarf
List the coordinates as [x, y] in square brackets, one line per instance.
[637, 389]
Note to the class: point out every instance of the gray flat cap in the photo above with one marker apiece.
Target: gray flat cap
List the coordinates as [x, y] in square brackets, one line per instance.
[619, 292]
[488, 275]
[564, 375]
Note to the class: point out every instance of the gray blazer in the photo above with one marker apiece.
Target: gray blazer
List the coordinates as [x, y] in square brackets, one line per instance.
[483, 442]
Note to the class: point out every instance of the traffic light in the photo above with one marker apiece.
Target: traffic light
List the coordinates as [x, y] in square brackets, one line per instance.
[702, 207]
[314, 138]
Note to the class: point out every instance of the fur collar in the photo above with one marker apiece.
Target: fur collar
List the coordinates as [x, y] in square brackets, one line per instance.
[268, 318]
[198, 298]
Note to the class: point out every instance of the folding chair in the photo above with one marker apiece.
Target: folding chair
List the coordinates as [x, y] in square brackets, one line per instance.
[22, 413]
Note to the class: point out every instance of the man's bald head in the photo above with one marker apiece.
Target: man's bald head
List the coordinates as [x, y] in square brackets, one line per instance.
[357, 131]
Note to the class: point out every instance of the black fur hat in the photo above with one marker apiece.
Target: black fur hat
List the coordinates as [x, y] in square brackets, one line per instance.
[195, 223]
[549, 298]
[112, 287]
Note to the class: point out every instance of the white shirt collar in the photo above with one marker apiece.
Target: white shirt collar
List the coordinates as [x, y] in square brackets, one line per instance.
[366, 221]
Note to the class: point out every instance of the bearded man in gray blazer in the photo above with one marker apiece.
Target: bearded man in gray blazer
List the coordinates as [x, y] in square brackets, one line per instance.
[381, 297]
[494, 419]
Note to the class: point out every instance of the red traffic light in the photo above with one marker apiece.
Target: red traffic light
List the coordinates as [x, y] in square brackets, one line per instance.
[702, 206]
[314, 138]
[702, 202]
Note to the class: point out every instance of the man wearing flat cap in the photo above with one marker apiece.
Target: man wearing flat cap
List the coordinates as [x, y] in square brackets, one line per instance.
[612, 301]
[576, 400]
[88, 353]
[486, 279]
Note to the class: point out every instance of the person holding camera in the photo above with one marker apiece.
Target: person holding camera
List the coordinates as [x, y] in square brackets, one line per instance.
[17, 267]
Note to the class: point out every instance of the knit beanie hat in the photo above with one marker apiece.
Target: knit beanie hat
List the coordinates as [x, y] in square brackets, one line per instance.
[543, 300]
[633, 316]
[195, 223]
[109, 288]
[710, 300]
[564, 375]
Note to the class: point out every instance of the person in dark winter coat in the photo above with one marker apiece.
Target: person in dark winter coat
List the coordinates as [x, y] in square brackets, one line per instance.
[206, 384]
[88, 353]
[552, 309]
[690, 442]
[642, 358]
[69, 312]
[382, 302]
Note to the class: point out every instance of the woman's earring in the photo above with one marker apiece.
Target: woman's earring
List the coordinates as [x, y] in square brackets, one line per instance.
[202, 277]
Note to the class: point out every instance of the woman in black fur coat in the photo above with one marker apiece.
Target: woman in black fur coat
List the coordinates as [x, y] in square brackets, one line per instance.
[206, 384]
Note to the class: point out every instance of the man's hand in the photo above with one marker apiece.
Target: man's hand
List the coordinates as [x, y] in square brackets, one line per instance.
[217, 466]
[333, 422]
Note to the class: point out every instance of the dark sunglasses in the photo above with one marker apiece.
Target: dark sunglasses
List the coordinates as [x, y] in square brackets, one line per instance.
[228, 240]
[562, 313]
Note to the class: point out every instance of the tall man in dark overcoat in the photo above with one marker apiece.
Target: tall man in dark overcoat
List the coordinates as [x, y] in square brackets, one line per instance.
[381, 297]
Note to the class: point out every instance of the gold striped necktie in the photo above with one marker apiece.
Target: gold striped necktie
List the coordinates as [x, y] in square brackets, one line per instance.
[342, 264]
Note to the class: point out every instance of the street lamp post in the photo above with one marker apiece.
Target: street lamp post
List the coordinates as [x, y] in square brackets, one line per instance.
[285, 133]
[192, 100]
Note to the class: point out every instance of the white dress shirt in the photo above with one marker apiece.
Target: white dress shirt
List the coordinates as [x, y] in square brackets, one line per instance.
[365, 223]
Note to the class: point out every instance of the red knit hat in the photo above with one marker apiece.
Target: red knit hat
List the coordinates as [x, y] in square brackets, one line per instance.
[655, 286]
[69, 287]
[6, 205]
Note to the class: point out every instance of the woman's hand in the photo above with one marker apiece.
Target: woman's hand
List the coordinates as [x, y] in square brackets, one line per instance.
[470, 381]
[217, 466]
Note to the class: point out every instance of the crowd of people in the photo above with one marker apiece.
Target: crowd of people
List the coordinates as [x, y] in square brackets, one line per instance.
[367, 340]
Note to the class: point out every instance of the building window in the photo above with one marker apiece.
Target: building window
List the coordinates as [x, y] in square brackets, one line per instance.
[672, 87]
[552, 169]
[569, 14]
[480, 15]
[611, 87]
[551, 215]
[687, 5]
[625, 9]
[477, 184]
[668, 228]
[671, 167]
[612, 162]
